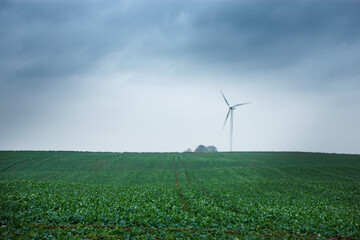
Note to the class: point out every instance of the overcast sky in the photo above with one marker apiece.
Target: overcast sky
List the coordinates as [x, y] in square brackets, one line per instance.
[146, 75]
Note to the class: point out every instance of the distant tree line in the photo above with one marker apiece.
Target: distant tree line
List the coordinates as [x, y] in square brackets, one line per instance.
[203, 149]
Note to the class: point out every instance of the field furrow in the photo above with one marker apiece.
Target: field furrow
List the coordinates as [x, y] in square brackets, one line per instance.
[11, 167]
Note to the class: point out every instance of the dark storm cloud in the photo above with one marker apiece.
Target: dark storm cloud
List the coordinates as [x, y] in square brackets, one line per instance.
[45, 40]
[271, 33]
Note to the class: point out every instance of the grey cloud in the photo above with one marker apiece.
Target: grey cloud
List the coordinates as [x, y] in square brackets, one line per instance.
[278, 34]
[55, 39]
[46, 40]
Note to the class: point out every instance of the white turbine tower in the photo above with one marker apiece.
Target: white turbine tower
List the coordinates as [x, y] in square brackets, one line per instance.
[231, 109]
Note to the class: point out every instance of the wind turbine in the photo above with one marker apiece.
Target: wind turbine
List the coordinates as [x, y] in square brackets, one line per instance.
[231, 109]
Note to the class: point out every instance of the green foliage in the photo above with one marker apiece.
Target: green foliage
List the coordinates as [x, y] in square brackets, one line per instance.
[72, 195]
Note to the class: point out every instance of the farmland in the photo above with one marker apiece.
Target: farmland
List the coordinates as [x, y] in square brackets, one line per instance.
[246, 195]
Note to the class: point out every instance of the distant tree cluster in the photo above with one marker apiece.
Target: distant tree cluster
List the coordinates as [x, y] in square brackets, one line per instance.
[203, 149]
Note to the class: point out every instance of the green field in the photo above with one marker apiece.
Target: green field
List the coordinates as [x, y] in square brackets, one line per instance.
[247, 195]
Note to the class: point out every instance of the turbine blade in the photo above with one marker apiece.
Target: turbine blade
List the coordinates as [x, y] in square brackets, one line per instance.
[226, 117]
[236, 105]
[225, 98]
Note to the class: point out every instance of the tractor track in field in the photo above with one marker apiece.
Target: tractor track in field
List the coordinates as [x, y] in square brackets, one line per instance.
[49, 177]
[209, 195]
[187, 177]
[101, 164]
[94, 165]
[150, 230]
[53, 176]
[46, 176]
[98, 165]
[254, 164]
[14, 165]
[190, 165]
[216, 200]
[180, 195]
[200, 188]
[178, 189]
